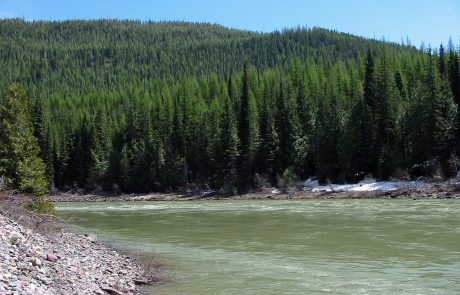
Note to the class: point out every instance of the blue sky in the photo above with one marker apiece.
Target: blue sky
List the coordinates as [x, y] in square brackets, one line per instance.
[431, 21]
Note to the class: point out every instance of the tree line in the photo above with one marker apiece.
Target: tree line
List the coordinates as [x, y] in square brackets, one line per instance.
[338, 107]
[339, 122]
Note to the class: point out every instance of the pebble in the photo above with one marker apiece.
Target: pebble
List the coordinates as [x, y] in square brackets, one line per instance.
[36, 262]
[31, 263]
[51, 257]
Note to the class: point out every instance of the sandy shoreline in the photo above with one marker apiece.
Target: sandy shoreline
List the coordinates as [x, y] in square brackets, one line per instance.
[37, 256]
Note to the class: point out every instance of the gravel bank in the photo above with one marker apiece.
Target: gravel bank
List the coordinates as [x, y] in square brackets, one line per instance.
[60, 262]
[443, 190]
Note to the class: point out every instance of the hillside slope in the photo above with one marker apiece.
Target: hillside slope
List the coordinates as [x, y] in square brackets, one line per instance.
[63, 56]
[139, 107]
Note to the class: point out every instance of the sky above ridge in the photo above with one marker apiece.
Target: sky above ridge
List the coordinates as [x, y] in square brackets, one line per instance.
[395, 20]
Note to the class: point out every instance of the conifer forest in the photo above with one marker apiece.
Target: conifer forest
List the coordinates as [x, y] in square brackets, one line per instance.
[161, 106]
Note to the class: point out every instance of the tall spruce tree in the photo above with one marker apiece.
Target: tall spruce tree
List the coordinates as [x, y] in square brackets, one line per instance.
[453, 74]
[244, 134]
[369, 95]
[327, 135]
[442, 62]
[41, 114]
[20, 164]
[384, 120]
[284, 129]
[369, 81]
[268, 155]
[227, 148]
[357, 145]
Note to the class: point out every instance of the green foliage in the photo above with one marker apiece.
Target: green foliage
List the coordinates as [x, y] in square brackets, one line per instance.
[43, 207]
[163, 106]
[287, 181]
[19, 149]
[357, 145]
[244, 133]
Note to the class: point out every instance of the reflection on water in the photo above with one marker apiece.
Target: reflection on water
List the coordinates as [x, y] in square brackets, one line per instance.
[288, 247]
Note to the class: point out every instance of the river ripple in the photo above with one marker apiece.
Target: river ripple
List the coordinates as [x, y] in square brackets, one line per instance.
[288, 247]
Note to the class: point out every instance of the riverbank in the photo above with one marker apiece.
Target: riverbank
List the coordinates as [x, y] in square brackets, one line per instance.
[39, 256]
[438, 190]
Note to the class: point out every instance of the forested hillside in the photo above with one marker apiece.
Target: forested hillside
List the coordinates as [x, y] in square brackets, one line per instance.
[78, 57]
[159, 106]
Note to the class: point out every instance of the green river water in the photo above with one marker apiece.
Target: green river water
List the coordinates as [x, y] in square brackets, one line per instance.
[287, 247]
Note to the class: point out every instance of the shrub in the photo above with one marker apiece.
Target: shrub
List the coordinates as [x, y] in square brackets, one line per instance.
[43, 207]
[287, 182]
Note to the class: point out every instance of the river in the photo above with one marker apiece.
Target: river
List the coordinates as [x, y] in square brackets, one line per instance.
[287, 247]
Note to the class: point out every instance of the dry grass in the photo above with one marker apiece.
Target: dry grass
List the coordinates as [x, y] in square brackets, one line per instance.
[153, 270]
[16, 207]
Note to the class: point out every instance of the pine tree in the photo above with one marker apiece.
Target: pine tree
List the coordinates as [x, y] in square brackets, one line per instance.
[369, 81]
[327, 135]
[454, 74]
[244, 134]
[268, 153]
[431, 121]
[81, 162]
[357, 146]
[100, 150]
[44, 134]
[302, 146]
[439, 111]
[285, 128]
[442, 62]
[227, 148]
[385, 120]
[400, 84]
[19, 150]
[369, 96]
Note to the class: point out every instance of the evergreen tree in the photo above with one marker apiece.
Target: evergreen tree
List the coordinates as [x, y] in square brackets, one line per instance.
[286, 122]
[385, 120]
[269, 153]
[227, 148]
[439, 112]
[357, 146]
[283, 129]
[454, 74]
[328, 133]
[369, 95]
[432, 121]
[442, 62]
[161, 110]
[80, 159]
[369, 81]
[19, 150]
[244, 134]
[44, 133]
[100, 149]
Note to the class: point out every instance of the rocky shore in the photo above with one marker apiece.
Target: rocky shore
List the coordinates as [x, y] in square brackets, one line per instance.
[38, 260]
